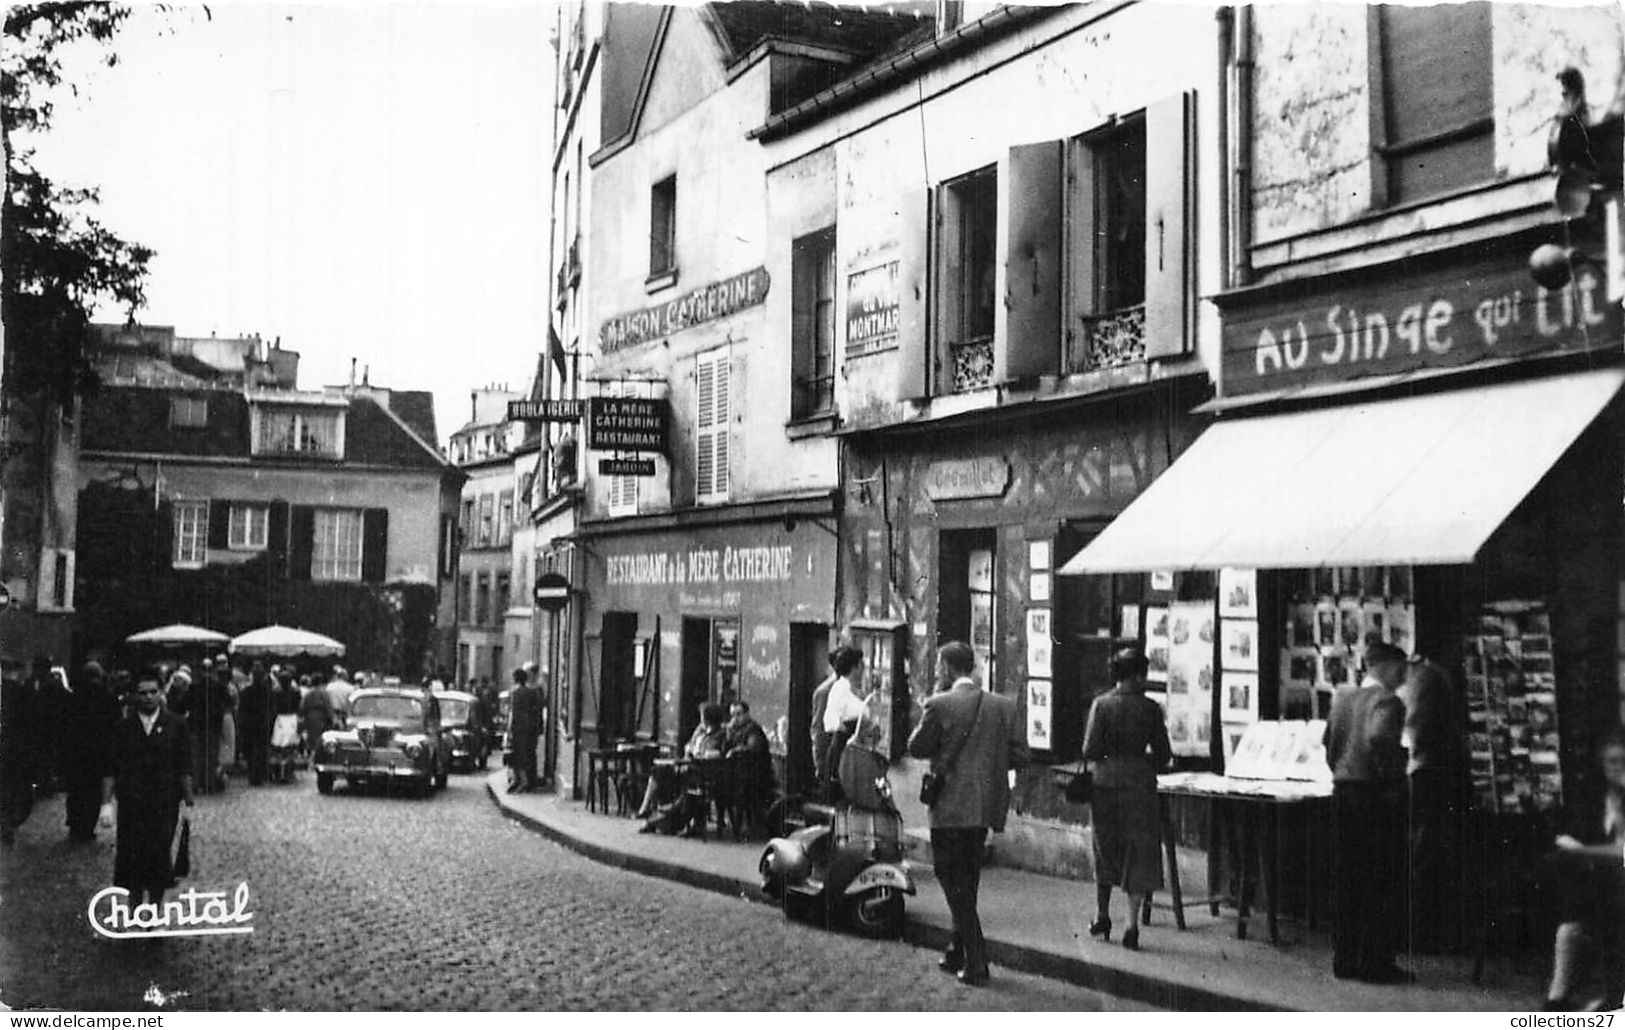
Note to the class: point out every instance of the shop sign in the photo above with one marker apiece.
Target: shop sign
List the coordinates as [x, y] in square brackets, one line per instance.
[1395, 323]
[718, 566]
[706, 304]
[628, 424]
[626, 466]
[962, 478]
[872, 310]
[544, 411]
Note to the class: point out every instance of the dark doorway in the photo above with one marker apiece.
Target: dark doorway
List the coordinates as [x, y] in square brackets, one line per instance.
[809, 664]
[618, 688]
[967, 602]
[710, 669]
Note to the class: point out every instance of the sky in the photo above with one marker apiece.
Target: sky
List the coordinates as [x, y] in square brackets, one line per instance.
[364, 181]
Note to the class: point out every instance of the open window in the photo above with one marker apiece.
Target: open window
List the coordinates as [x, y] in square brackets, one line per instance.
[812, 324]
[966, 261]
[1129, 239]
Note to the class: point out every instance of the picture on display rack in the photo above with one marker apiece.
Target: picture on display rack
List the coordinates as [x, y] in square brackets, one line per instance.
[1301, 627]
[1240, 697]
[1239, 644]
[1238, 593]
[1325, 626]
[1325, 579]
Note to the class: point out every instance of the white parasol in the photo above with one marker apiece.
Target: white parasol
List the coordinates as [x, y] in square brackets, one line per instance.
[177, 635]
[286, 642]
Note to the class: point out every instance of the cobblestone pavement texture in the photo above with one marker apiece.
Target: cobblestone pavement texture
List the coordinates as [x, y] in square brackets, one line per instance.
[367, 902]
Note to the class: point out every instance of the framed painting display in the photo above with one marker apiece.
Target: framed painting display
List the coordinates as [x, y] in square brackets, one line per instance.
[1239, 695]
[1238, 593]
[1238, 644]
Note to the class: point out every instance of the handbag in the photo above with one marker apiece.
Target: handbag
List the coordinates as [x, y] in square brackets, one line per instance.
[1080, 788]
[933, 783]
[183, 851]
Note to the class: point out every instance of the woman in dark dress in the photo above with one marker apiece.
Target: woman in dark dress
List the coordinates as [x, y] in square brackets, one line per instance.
[1127, 742]
[1586, 879]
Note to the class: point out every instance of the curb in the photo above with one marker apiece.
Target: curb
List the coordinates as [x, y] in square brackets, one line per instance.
[919, 933]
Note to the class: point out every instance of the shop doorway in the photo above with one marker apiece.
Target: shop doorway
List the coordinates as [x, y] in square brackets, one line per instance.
[967, 603]
[809, 664]
[710, 669]
[618, 687]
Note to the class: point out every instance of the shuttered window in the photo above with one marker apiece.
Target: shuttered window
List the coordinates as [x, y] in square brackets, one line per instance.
[191, 524]
[336, 546]
[1437, 132]
[711, 387]
[249, 527]
[812, 324]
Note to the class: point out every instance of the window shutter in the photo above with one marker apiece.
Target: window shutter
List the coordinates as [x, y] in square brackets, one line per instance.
[1032, 266]
[45, 588]
[219, 525]
[276, 537]
[705, 457]
[719, 424]
[1168, 180]
[301, 541]
[374, 544]
[914, 339]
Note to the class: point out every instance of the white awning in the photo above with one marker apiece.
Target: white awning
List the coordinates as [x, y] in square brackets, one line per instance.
[1414, 481]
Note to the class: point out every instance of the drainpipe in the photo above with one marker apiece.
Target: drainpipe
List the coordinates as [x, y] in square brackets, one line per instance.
[1226, 25]
[1242, 189]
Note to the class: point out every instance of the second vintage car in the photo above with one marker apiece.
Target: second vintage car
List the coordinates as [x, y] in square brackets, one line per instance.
[394, 737]
[464, 723]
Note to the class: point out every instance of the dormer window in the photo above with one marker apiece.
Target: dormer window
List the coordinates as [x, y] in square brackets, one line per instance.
[303, 431]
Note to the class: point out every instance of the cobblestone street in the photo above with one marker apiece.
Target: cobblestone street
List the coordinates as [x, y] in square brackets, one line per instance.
[376, 902]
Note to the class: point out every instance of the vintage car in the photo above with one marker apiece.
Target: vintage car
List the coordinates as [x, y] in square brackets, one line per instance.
[464, 723]
[393, 737]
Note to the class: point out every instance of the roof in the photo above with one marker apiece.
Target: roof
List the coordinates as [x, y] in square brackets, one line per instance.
[861, 31]
[416, 409]
[375, 436]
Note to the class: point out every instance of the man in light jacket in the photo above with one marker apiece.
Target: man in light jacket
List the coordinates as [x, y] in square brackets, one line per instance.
[973, 738]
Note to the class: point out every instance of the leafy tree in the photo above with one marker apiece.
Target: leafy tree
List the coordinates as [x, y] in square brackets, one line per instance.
[56, 260]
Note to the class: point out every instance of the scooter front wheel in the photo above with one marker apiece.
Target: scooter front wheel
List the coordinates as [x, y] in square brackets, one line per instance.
[876, 913]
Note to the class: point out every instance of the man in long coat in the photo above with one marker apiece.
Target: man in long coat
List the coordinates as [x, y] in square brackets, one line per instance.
[151, 778]
[525, 727]
[974, 738]
[23, 730]
[88, 714]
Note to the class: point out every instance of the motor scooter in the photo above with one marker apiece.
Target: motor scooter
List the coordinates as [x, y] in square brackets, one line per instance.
[843, 867]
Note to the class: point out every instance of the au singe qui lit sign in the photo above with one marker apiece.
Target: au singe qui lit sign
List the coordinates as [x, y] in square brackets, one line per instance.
[637, 424]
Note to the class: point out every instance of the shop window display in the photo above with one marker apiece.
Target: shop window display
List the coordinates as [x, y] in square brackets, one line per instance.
[1330, 612]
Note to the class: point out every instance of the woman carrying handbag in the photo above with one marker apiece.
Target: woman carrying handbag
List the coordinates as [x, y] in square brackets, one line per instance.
[1126, 740]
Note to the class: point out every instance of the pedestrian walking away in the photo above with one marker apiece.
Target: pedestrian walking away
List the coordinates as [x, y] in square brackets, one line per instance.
[1127, 742]
[149, 780]
[1368, 809]
[972, 738]
[525, 727]
[89, 714]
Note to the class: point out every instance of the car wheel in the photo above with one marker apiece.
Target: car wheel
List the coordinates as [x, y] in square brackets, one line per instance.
[876, 913]
[324, 783]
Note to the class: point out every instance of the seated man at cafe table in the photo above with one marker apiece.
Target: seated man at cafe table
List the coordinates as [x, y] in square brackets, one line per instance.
[745, 747]
[706, 742]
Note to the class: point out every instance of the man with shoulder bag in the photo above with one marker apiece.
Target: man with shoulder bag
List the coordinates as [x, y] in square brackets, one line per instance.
[972, 739]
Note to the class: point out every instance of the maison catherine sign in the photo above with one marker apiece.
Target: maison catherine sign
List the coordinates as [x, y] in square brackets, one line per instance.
[706, 304]
[628, 424]
[1399, 322]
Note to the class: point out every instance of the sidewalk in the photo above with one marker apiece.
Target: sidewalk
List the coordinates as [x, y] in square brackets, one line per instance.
[1037, 924]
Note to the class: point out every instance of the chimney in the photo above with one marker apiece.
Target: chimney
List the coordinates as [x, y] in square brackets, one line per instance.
[366, 375]
[352, 371]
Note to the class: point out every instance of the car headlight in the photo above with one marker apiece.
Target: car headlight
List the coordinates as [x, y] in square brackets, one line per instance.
[413, 749]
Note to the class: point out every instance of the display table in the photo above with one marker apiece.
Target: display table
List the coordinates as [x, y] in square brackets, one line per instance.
[1247, 814]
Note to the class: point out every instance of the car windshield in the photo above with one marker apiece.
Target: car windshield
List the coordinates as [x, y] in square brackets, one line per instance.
[452, 711]
[387, 708]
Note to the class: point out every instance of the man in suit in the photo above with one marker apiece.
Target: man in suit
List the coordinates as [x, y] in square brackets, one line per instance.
[974, 738]
[524, 727]
[1368, 809]
[151, 776]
